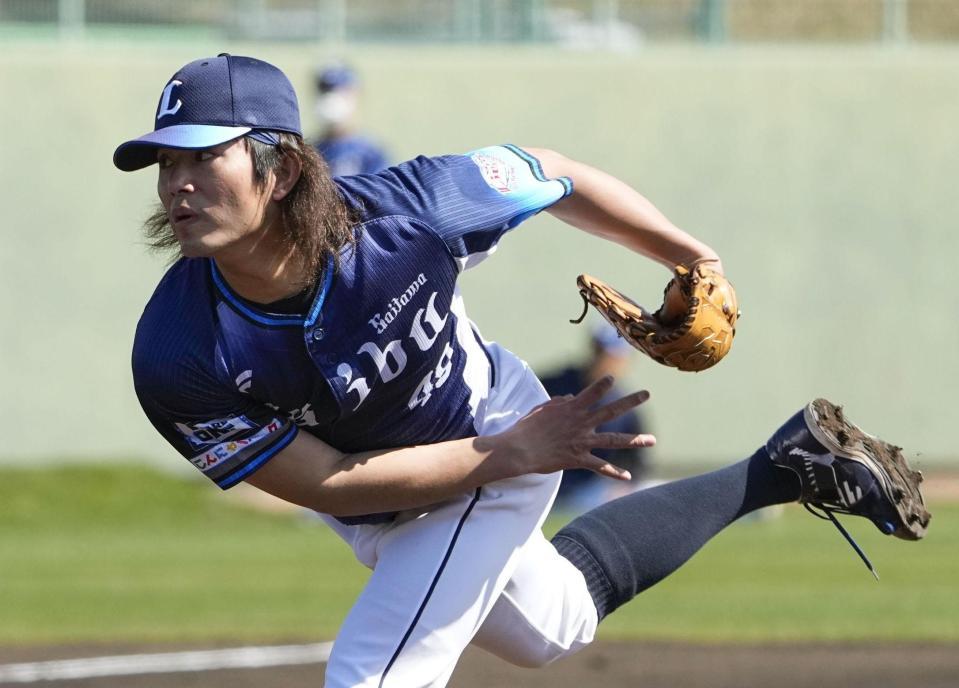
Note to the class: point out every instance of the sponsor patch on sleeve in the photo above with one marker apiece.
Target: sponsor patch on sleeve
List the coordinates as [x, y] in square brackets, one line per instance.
[221, 452]
[205, 434]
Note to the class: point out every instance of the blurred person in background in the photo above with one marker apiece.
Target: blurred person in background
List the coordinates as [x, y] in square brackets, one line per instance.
[608, 354]
[340, 143]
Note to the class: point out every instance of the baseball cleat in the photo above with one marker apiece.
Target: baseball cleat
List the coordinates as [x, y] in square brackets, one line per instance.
[845, 470]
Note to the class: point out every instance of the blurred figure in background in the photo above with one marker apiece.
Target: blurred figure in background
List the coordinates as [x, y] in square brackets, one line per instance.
[340, 144]
[609, 354]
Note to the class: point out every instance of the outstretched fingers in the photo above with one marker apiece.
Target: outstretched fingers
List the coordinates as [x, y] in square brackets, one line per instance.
[619, 440]
[612, 440]
[597, 465]
[617, 408]
[591, 395]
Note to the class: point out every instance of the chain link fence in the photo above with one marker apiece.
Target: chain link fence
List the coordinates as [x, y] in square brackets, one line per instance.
[606, 24]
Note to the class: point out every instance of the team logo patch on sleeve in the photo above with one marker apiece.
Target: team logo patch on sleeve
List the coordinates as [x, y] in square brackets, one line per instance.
[498, 173]
[205, 434]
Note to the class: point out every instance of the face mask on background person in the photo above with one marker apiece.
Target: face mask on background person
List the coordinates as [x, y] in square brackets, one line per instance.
[335, 107]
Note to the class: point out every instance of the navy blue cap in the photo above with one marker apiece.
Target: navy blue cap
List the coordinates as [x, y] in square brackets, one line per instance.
[335, 76]
[211, 101]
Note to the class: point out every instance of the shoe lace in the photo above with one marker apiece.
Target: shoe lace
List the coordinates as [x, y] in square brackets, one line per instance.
[829, 516]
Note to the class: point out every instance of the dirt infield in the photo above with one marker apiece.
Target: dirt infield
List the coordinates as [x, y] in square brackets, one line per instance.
[607, 664]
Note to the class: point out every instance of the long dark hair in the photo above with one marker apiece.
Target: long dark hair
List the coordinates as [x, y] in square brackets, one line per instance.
[317, 222]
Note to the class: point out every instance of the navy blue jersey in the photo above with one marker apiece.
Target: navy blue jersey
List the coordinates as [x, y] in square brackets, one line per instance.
[385, 355]
[353, 154]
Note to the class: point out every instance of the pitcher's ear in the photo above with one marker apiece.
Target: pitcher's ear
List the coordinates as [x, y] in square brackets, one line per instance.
[287, 175]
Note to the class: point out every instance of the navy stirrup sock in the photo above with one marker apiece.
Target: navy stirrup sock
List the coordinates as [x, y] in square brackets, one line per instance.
[632, 543]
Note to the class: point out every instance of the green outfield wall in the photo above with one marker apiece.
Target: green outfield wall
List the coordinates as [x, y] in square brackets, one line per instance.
[825, 177]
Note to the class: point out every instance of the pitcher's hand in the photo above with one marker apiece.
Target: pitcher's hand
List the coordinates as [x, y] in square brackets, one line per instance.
[561, 433]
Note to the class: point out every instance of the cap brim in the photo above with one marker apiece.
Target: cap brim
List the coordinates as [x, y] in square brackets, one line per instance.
[142, 152]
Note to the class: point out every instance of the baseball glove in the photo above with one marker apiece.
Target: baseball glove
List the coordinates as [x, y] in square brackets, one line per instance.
[692, 330]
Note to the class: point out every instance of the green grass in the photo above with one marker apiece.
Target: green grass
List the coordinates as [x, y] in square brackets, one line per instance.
[103, 554]
[100, 554]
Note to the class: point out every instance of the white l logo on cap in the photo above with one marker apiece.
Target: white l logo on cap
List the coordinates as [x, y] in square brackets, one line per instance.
[165, 108]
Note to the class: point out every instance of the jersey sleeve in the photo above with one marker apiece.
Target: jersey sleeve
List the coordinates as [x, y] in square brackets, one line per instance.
[469, 200]
[226, 435]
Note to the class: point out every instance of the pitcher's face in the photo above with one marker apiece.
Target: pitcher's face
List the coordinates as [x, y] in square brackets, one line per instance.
[210, 196]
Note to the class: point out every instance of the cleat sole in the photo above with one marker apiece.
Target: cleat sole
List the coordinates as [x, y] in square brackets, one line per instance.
[898, 481]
